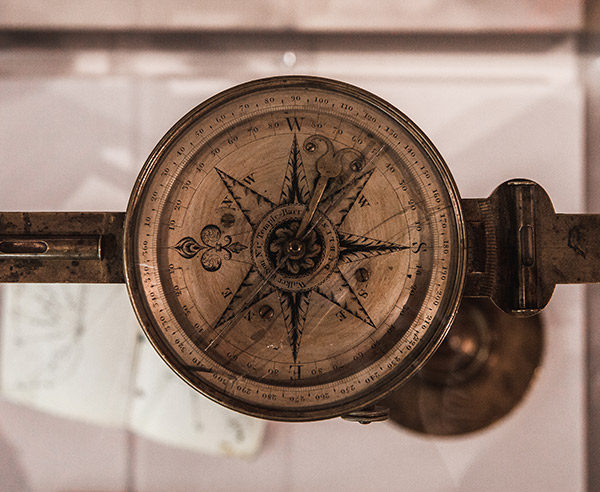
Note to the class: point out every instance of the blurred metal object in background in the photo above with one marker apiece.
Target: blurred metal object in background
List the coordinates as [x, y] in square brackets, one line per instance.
[481, 371]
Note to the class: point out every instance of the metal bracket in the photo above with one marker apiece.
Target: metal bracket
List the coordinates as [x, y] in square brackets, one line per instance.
[368, 415]
[519, 248]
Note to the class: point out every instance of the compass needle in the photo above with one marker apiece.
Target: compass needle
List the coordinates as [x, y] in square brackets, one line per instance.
[328, 166]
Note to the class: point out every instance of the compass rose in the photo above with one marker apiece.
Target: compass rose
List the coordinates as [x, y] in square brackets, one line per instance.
[299, 267]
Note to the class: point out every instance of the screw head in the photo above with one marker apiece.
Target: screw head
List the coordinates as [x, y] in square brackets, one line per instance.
[356, 165]
[266, 312]
[310, 147]
[295, 249]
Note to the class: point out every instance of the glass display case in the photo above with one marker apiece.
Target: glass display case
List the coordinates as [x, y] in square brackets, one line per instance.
[503, 90]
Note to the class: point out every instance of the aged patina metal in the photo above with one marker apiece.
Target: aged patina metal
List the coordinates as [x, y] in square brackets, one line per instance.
[519, 248]
[368, 415]
[295, 248]
[50, 247]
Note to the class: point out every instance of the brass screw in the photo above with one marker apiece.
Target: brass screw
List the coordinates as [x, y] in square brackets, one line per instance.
[266, 312]
[310, 147]
[356, 165]
[362, 274]
[227, 219]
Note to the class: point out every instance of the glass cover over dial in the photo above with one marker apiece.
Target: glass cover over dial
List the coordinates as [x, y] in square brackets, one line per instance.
[295, 248]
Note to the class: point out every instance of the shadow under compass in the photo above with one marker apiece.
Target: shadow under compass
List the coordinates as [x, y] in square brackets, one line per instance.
[479, 374]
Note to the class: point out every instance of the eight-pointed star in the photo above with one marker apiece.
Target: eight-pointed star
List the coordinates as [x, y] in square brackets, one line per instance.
[336, 289]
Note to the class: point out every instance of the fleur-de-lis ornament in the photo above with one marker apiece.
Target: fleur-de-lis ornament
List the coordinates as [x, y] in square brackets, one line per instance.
[215, 249]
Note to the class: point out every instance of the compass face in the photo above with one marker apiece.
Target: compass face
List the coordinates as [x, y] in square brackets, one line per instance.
[294, 248]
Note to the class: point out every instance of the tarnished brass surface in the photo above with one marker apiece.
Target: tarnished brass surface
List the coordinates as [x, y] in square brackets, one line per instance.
[84, 247]
[369, 415]
[481, 371]
[519, 248]
[51, 247]
[294, 248]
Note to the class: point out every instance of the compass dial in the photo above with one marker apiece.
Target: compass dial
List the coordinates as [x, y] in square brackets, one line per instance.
[295, 248]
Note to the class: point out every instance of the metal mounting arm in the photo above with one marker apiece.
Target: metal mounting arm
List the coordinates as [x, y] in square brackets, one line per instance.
[519, 248]
[61, 247]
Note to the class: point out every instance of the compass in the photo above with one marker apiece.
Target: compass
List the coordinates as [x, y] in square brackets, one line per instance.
[295, 248]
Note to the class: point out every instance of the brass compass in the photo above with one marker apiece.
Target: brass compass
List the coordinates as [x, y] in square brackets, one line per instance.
[295, 248]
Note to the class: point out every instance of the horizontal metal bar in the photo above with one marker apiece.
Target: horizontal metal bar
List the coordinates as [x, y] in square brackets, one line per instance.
[49, 247]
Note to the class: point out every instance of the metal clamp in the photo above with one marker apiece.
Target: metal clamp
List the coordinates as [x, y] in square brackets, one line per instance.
[519, 248]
